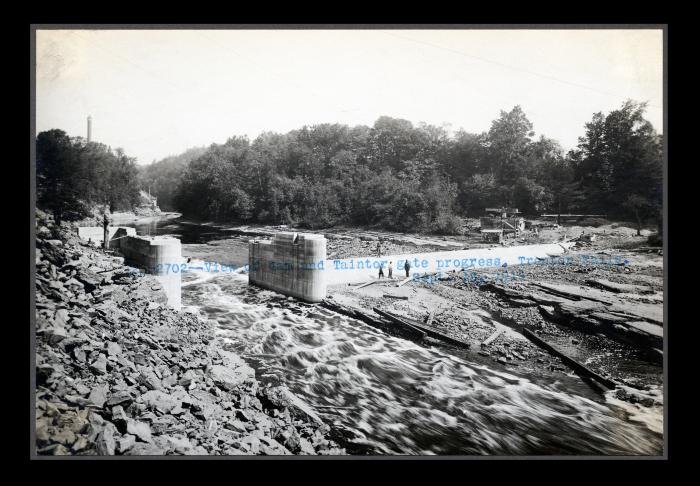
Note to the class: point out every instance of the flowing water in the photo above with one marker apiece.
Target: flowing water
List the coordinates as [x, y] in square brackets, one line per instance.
[387, 395]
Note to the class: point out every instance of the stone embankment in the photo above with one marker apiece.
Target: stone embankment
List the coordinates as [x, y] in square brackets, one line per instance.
[119, 373]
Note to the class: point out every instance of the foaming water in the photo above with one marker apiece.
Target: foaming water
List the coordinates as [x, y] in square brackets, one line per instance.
[391, 396]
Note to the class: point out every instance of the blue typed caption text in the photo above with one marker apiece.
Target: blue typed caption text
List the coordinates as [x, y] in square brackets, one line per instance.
[443, 264]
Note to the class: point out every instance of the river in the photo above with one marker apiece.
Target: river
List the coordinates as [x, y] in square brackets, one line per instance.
[386, 395]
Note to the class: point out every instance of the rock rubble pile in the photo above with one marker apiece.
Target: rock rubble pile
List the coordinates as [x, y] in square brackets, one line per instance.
[117, 372]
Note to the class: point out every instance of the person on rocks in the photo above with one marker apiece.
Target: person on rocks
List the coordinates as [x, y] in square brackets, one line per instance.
[407, 267]
[381, 270]
[379, 249]
[391, 270]
[105, 225]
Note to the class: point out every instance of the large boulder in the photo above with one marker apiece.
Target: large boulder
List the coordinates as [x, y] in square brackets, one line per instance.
[141, 430]
[105, 443]
[158, 400]
[149, 379]
[281, 398]
[228, 378]
[232, 374]
[98, 395]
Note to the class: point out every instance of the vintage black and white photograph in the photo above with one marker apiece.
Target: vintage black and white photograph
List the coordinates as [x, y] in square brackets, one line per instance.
[355, 241]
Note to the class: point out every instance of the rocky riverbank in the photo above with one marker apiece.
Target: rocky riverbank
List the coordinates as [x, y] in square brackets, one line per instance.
[119, 373]
[604, 308]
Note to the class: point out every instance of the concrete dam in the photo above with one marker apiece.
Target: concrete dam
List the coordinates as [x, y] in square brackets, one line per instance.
[295, 264]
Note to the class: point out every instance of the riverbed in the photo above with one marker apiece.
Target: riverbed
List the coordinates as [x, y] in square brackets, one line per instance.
[386, 395]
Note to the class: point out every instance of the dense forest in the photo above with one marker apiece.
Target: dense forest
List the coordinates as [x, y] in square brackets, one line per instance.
[162, 178]
[403, 177]
[393, 175]
[73, 176]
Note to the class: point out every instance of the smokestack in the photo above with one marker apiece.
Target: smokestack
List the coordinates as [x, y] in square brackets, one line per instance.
[89, 137]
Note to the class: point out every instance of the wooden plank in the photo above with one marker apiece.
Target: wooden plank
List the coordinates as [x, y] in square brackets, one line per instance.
[573, 216]
[402, 297]
[468, 307]
[605, 285]
[365, 284]
[400, 322]
[492, 337]
[429, 320]
[367, 319]
[568, 295]
[431, 332]
[108, 270]
[557, 292]
[618, 287]
[632, 316]
[426, 275]
[573, 364]
[404, 281]
[648, 249]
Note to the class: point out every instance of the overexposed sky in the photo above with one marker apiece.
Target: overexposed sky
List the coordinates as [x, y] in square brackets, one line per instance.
[158, 92]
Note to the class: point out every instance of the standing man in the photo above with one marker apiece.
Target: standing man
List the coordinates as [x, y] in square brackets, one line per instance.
[407, 267]
[391, 270]
[105, 224]
[381, 270]
[379, 248]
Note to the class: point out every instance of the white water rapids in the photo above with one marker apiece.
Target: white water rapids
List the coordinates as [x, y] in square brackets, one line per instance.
[387, 395]
[397, 397]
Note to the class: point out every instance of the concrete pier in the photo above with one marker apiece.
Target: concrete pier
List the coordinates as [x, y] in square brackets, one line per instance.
[291, 263]
[160, 256]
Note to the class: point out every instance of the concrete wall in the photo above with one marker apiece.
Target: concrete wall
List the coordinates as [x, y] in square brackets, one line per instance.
[120, 235]
[348, 270]
[290, 263]
[295, 263]
[160, 256]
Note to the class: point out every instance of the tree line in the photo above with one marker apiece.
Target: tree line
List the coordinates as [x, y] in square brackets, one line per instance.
[73, 177]
[398, 176]
[393, 175]
[161, 178]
